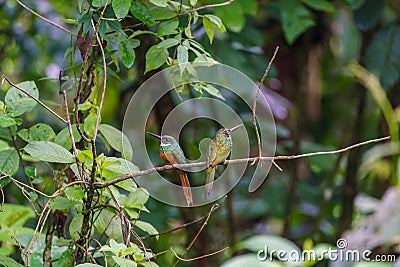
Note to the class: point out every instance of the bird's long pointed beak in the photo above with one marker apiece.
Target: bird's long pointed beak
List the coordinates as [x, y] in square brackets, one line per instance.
[236, 127]
[156, 136]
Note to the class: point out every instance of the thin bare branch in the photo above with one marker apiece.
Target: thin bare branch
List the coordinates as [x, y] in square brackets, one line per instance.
[45, 19]
[213, 208]
[235, 161]
[199, 257]
[255, 107]
[34, 98]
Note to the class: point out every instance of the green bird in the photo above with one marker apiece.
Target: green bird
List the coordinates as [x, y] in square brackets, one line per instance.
[171, 153]
[218, 150]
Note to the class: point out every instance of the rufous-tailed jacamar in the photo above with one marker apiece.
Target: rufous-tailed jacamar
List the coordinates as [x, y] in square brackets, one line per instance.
[171, 153]
[218, 151]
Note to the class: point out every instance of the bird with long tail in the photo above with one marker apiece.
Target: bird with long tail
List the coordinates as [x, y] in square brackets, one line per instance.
[171, 153]
[218, 150]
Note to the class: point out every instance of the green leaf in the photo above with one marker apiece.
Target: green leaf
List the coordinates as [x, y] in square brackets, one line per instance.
[321, 5]
[15, 216]
[9, 161]
[107, 223]
[160, 3]
[74, 193]
[30, 171]
[183, 57]
[75, 226]
[141, 12]
[99, 3]
[126, 53]
[18, 102]
[118, 167]
[6, 121]
[117, 140]
[49, 152]
[216, 21]
[85, 106]
[167, 43]
[168, 27]
[147, 227]
[8, 262]
[64, 139]
[38, 132]
[5, 133]
[155, 58]
[213, 91]
[122, 262]
[208, 26]
[89, 125]
[233, 16]
[295, 19]
[62, 203]
[162, 13]
[121, 7]
[382, 56]
[137, 198]
[4, 181]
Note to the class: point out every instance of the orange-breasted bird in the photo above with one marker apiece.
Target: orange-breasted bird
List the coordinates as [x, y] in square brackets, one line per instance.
[171, 153]
[218, 150]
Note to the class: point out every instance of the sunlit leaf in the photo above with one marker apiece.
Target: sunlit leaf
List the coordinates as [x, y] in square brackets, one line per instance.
[9, 161]
[117, 140]
[18, 102]
[121, 7]
[38, 132]
[48, 151]
[141, 12]
[155, 58]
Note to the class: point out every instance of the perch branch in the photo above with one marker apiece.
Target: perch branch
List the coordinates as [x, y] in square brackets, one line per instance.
[207, 6]
[235, 161]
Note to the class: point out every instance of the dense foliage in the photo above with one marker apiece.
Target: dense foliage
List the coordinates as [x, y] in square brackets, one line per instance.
[335, 82]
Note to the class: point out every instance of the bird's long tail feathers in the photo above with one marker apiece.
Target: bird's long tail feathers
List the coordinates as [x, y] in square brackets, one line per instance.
[210, 180]
[186, 187]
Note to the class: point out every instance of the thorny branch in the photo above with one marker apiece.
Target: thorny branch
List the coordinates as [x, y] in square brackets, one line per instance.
[235, 161]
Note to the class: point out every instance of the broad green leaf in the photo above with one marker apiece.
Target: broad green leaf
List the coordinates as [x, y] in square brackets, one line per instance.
[162, 13]
[85, 106]
[217, 22]
[322, 5]
[38, 132]
[126, 53]
[9, 161]
[4, 181]
[295, 19]
[233, 16]
[8, 262]
[18, 102]
[75, 226]
[160, 3]
[5, 133]
[117, 140]
[117, 247]
[183, 57]
[168, 27]
[49, 152]
[63, 138]
[99, 3]
[137, 198]
[30, 171]
[167, 43]
[109, 223]
[122, 262]
[118, 167]
[212, 91]
[14, 215]
[4, 145]
[147, 227]
[62, 203]
[155, 58]
[208, 26]
[149, 264]
[74, 193]
[141, 12]
[382, 56]
[121, 7]
[89, 125]
[6, 121]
